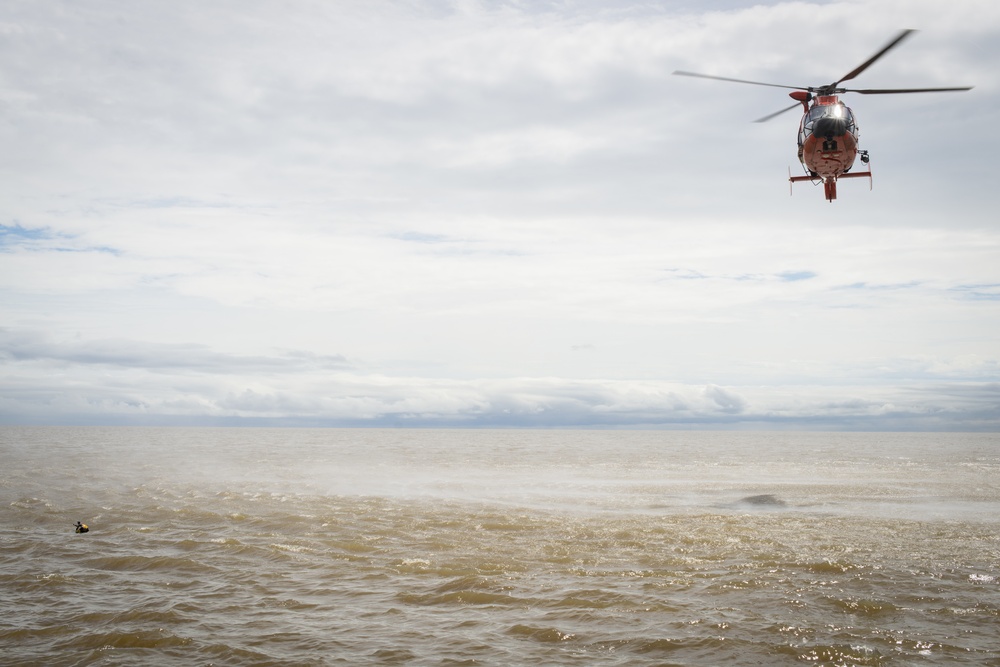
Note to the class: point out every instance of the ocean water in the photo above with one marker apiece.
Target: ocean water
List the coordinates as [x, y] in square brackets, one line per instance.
[451, 547]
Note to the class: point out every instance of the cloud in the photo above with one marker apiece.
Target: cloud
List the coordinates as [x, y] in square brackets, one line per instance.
[121, 381]
[24, 347]
[728, 401]
[440, 213]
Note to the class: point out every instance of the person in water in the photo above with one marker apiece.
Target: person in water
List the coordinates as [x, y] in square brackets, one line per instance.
[82, 527]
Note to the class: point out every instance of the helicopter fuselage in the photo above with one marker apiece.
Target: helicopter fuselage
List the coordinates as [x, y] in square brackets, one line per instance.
[828, 138]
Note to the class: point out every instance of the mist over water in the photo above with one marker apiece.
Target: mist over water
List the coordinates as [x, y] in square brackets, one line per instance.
[451, 547]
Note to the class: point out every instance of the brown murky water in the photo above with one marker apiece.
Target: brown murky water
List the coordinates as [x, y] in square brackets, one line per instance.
[380, 547]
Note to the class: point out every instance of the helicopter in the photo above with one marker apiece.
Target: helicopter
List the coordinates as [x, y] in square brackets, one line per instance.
[828, 132]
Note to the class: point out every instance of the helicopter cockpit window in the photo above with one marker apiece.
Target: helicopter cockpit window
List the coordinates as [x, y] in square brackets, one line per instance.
[814, 114]
[841, 111]
[828, 111]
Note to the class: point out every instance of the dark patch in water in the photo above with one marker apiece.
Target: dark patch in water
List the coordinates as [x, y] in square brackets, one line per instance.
[766, 499]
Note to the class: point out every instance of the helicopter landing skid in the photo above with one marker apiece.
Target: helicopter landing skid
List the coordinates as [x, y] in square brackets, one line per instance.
[829, 184]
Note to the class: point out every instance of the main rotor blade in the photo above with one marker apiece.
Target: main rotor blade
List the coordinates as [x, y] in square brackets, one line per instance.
[776, 113]
[890, 91]
[725, 78]
[866, 64]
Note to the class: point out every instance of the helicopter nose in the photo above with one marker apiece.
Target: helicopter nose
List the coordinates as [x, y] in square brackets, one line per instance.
[830, 127]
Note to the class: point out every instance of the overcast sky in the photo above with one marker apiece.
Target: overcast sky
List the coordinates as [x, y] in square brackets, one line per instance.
[472, 213]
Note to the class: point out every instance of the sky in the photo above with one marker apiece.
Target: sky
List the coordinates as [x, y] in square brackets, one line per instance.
[471, 213]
